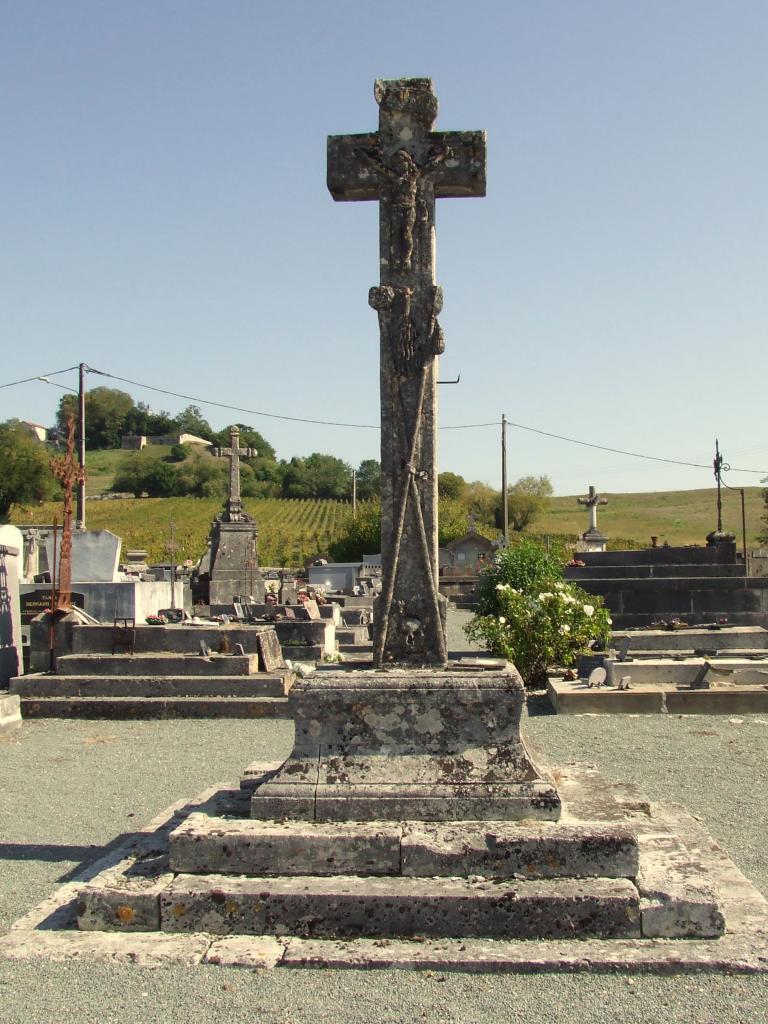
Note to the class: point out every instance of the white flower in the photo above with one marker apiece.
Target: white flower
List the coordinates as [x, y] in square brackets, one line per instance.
[502, 620]
[501, 586]
[565, 629]
[559, 586]
[610, 622]
[545, 595]
[589, 610]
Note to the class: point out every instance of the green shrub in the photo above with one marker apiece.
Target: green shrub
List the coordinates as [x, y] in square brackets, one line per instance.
[530, 616]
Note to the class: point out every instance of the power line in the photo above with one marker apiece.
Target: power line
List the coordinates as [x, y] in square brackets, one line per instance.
[372, 426]
[38, 376]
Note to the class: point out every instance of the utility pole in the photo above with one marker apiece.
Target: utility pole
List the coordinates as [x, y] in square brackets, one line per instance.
[718, 466]
[80, 514]
[504, 501]
[354, 493]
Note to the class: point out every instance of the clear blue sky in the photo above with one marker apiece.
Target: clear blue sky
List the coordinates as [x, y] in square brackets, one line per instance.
[164, 217]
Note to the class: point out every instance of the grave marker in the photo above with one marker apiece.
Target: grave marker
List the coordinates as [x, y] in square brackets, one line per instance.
[405, 166]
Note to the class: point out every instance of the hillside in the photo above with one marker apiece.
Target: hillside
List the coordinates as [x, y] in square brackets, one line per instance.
[679, 517]
[292, 530]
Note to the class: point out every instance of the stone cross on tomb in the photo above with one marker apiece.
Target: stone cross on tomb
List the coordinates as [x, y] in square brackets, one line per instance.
[233, 509]
[592, 500]
[405, 166]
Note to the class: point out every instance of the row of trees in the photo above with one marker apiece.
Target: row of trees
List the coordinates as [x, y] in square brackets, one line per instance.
[189, 470]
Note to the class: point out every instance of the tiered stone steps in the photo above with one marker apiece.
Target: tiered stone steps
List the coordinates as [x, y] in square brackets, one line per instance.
[624, 876]
[151, 685]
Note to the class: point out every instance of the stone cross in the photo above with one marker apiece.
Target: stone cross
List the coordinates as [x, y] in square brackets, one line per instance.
[592, 501]
[405, 166]
[233, 510]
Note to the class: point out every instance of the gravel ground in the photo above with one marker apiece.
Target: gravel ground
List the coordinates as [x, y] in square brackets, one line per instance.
[67, 788]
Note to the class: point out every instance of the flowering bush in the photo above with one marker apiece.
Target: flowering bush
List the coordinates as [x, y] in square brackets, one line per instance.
[527, 614]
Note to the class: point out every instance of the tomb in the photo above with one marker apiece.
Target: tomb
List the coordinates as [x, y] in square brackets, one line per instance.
[232, 564]
[695, 585]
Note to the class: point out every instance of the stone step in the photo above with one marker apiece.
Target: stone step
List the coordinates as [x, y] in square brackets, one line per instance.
[157, 665]
[739, 637]
[400, 907]
[363, 648]
[352, 635]
[10, 714]
[212, 845]
[155, 707]
[50, 685]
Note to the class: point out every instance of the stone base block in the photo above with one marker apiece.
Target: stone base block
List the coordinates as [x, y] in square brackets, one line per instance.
[10, 714]
[377, 907]
[399, 744]
[677, 898]
[213, 845]
[528, 850]
[125, 897]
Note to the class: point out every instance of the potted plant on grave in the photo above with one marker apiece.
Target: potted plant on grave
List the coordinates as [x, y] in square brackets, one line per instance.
[529, 615]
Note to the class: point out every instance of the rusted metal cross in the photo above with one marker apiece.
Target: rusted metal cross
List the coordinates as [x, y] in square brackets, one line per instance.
[69, 473]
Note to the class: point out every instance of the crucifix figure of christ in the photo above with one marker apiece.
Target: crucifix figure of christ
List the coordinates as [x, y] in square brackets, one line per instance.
[233, 510]
[69, 473]
[592, 500]
[405, 166]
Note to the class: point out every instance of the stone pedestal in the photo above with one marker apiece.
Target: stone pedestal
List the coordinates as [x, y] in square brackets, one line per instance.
[407, 744]
[233, 547]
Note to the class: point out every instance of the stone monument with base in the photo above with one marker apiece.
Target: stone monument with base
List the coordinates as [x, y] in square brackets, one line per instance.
[234, 560]
[592, 539]
[409, 820]
[409, 739]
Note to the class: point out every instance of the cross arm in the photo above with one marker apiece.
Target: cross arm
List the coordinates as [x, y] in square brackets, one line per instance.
[455, 161]
[351, 175]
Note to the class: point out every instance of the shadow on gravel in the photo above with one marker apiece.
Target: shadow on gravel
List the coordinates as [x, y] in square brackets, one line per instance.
[50, 853]
[539, 704]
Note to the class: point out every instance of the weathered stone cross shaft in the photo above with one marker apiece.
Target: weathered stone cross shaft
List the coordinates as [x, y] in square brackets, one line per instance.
[406, 166]
[233, 510]
[592, 500]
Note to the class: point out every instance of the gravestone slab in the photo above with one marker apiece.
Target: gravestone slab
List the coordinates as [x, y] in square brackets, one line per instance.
[95, 555]
[269, 649]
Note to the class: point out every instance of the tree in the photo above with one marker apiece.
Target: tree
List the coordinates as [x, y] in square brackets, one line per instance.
[369, 479]
[359, 534]
[25, 472]
[482, 500]
[317, 476]
[451, 485]
[191, 421]
[143, 473]
[249, 438]
[527, 498]
[141, 420]
[106, 413]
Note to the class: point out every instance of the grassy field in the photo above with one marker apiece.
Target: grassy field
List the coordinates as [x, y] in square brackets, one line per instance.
[679, 517]
[290, 531]
[102, 466]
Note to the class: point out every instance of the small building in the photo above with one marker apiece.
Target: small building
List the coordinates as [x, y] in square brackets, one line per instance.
[469, 553]
[36, 430]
